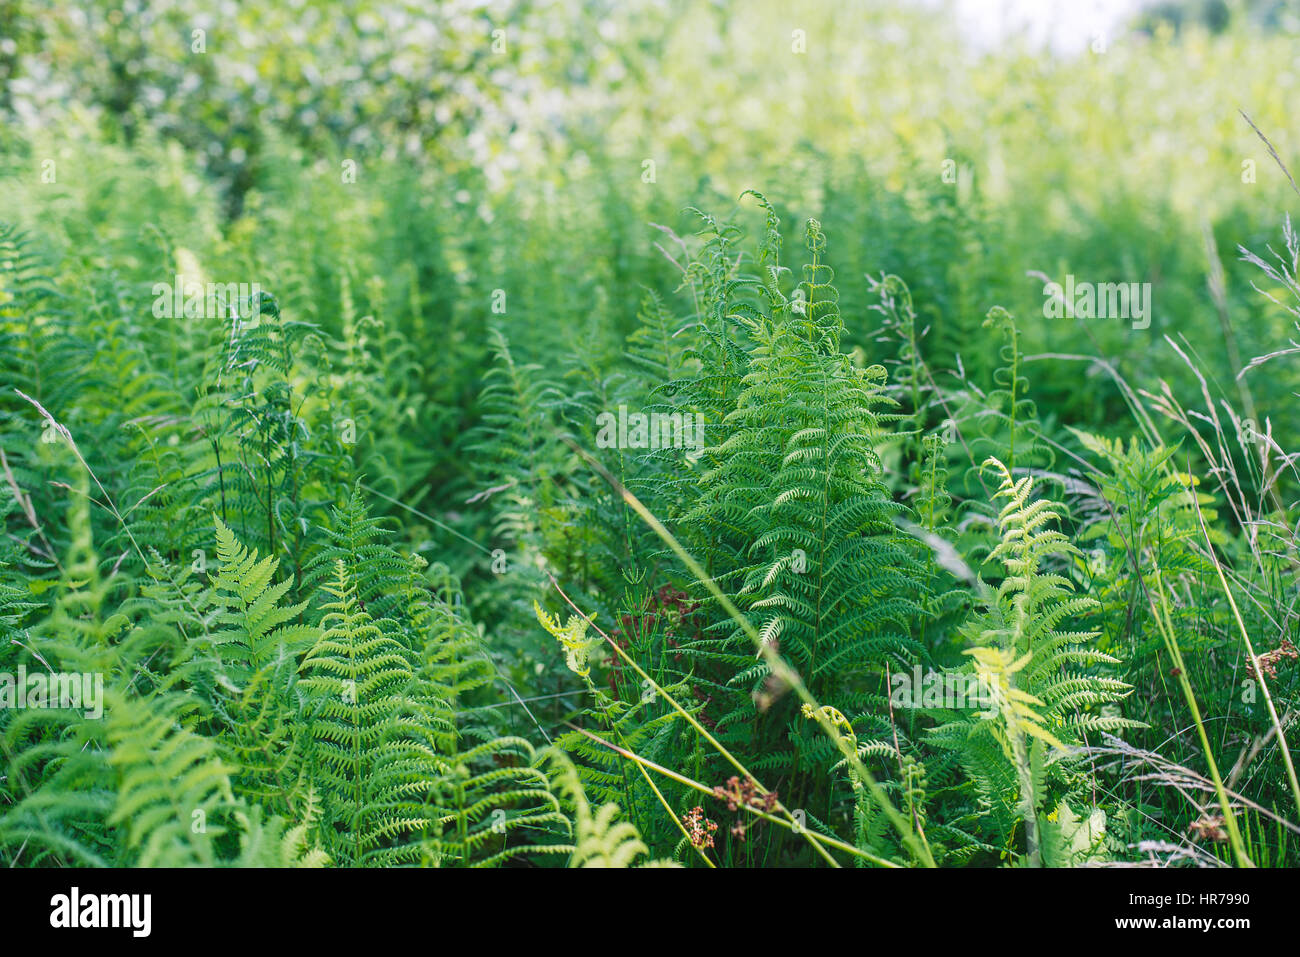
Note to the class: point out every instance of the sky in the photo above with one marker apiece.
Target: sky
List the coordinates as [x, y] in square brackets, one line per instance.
[1063, 25]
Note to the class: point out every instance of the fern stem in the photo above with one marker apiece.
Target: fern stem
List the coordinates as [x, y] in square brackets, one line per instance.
[673, 814]
[1250, 650]
[790, 825]
[1171, 643]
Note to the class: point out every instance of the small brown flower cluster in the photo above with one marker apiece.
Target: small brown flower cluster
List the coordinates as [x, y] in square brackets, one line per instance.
[738, 793]
[699, 828]
[1209, 828]
[1269, 660]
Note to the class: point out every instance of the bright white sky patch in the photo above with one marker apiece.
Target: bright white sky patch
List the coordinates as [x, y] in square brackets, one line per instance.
[1066, 26]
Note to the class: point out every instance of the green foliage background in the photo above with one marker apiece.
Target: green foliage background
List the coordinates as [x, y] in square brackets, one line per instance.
[323, 556]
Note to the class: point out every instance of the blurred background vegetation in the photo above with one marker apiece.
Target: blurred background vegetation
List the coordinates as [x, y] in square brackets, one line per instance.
[481, 132]
[387, 169]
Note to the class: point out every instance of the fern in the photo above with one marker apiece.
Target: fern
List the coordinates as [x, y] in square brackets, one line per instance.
[172, 784]
[373, 737]
[600, 839]
[811, 542]
[1037, 602]
[255, 627]
[361, 542]
[274, 843]
[1043, 684]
